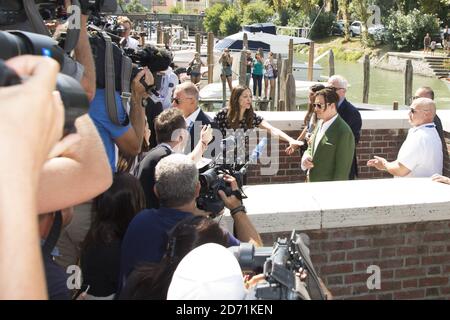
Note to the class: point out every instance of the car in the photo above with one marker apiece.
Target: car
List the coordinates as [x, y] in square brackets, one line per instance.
[375, 30]
[338, 28]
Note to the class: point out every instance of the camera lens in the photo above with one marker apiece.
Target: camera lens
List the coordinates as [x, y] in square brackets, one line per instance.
[14, 43]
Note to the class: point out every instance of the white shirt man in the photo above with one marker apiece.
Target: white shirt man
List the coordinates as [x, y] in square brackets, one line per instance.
[168, 83]
[421, 153]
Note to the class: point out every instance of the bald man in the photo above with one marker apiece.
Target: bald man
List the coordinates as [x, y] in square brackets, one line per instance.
[421, 153]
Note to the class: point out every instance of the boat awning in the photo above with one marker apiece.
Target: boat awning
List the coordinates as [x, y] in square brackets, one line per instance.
[236, 44]
[267, 41]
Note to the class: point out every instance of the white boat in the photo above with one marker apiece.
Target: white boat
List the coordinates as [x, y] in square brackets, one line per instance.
[213, 91]
[275, 43]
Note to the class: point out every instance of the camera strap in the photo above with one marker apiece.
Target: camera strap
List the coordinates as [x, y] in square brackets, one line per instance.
[125, 80]
[110, 85]
[35, 17]
[53, 236]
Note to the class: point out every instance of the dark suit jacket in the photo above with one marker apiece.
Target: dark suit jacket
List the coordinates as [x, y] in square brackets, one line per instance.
[333, 157]
[201, 120]
[146, 173]
[352, 117]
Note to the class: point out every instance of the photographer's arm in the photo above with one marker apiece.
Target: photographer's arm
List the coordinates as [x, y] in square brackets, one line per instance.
[30, 124]
[202, 145]
[245, 231]
[131, 142]
[78, 174]
[277, 132]
[83, 54]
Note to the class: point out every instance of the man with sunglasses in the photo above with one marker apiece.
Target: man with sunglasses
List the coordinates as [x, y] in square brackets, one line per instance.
[185, 98]
[330, 154]
[421, 153]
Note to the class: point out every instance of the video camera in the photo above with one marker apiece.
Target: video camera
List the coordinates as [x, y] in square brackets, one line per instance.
[280, 265]
[14, 43]
[155, 59]
[88, 7]
[211, 180]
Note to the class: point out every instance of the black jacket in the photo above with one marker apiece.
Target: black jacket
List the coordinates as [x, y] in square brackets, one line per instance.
[351, 115]
[146, 173]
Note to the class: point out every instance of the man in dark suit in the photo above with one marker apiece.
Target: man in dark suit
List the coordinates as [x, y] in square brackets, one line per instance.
[165, 125]
[185, 98]
[349, 113]
[172, 137]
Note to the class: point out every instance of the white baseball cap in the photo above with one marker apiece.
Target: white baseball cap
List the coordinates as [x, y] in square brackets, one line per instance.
[209, 272]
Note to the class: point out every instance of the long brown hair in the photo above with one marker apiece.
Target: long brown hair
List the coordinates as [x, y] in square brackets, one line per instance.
[234, 109]
[314, 88]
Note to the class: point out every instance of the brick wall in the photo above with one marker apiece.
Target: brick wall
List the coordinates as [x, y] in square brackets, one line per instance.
[414, 259]
[382, 142]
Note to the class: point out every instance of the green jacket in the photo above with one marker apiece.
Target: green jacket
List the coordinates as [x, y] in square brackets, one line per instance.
[334, 155]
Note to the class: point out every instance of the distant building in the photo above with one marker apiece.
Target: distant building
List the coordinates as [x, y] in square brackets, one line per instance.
[191, 6]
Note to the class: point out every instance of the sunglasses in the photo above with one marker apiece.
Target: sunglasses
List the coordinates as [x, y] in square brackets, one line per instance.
[178, 100]
[319, 105]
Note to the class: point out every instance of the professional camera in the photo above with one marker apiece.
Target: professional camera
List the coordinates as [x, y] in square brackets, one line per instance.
[280, 264]
[211, 180]
[152, 57]
[16, 43]
[87, 6]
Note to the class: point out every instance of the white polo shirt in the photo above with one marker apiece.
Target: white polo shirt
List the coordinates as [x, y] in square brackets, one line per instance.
[422, 151]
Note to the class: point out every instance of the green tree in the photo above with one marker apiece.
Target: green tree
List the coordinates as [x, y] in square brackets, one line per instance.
[406, 31]
[230, 21]
[345, 14]
[177, 10]
[322, 24]
[359, 9]
[441, 8]
[212, 19]
[257, 12]
[135, 6]
[306, 6]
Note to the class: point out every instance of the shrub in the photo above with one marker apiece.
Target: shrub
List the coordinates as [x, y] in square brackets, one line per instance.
[257, 12]
[211, 22]
[323, 24]
[406, 32]
[230, 21]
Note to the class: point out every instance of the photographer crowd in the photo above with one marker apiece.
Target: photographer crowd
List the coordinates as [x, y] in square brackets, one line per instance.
[129, 142]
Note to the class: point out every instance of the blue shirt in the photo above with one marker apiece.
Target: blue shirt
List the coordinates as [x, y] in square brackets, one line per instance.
[108, 131]
[147, 236]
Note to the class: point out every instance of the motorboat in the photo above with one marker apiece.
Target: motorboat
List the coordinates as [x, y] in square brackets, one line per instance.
[263, 37]
[213, 91]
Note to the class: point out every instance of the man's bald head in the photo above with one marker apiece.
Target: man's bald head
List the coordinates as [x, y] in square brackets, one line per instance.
[424, 92]
[423, 110]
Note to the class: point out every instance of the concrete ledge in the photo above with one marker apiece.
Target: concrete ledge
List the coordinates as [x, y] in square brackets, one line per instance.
[322, 205]
[293, 120]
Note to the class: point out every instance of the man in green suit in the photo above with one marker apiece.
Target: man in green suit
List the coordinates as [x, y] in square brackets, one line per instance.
[330, 153]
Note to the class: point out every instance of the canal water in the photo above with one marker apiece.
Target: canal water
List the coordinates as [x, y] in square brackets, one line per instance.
[385, 86]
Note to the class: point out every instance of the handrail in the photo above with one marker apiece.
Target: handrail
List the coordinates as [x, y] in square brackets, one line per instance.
[321, 56]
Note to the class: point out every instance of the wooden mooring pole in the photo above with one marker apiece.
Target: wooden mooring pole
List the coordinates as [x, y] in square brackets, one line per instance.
[210, 57]
[366, 79]
[243, 68]
[311, 61]
[197, 42]
[408, 82]
[331, 62]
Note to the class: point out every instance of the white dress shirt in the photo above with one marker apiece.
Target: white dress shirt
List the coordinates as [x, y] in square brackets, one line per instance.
[421, 152]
